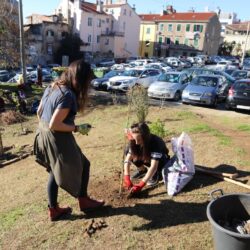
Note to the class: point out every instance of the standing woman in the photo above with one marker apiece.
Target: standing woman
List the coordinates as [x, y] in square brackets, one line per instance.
[148, 153]
[55, 147]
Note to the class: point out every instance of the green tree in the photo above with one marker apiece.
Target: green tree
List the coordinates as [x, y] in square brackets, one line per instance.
[226, 48]
[69, 46]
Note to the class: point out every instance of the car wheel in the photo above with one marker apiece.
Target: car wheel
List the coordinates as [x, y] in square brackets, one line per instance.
[177, 96]
[227, 105]
[215, 102]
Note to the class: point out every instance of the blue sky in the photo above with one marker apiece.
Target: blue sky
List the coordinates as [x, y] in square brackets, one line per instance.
[241, 7]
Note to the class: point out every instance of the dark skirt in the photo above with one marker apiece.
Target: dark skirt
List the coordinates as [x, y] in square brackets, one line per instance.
[58, 152]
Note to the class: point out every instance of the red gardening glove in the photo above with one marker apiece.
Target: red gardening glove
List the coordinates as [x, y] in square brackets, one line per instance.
[127, 182]
[138, 187]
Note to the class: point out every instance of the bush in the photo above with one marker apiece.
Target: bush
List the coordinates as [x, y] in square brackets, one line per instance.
[138, 102]
[57, 71]
[158, 128]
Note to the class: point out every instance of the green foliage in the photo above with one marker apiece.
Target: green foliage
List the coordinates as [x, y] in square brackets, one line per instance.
[138, 102]
[158, 128]
[226, 48]
[244, 127]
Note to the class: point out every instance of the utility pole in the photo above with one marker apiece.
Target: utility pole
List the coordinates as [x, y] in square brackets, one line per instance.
[245, 46]
[22, 52]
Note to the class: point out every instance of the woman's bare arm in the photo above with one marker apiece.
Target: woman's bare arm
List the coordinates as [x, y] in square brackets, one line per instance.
[56, 122]
[151, 171]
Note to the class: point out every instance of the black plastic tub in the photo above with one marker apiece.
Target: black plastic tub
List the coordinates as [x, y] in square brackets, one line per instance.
[225, 208]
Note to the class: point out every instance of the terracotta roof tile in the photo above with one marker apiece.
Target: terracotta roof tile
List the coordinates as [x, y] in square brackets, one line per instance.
[185, 16]
[90, 7]
[238, 26]
[113, 5]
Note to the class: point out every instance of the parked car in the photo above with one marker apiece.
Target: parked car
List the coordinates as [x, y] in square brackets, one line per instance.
[239, 95]
[206, 89]
[241, 74]
[5, 75]
[131, 77]
[169, 86]
[246, 65]
[101, 83]
[160, 66]
[229, 71]
[107, 62]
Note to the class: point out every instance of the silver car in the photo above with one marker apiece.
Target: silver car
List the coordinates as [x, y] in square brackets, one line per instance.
[169, 86]
[131, 77]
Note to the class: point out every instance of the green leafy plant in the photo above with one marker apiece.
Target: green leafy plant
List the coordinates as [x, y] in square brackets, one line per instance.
[138, 102]
[158, 128]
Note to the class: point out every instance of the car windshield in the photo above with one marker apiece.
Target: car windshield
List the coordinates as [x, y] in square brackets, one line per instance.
[205, 81]
[135, 73]
[111, 74]
[239, 74]
[174, 78]
[243, 86]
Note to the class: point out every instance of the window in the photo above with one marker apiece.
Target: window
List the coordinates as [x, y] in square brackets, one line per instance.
[49, 49]
[188, 27]
[64, 34]
[198, 27]
[170, 27]
[161, 27]
[50, 33]
[160, 39]
[148, 31]
[99, 23]
[89, 38]
[186, 41]
[177, 40]
[196, 43]
[90, 21]
[98, 39]
[167, 40]
[178, 27]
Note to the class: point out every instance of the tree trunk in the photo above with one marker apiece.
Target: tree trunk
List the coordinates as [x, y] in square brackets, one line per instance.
[1, 145]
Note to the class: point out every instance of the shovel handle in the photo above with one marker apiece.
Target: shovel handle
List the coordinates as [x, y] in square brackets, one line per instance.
[215, 191]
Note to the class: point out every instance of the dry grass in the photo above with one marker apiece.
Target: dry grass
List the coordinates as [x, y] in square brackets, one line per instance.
[152, 221]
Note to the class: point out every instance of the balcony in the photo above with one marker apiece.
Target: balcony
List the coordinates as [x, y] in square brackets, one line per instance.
[112, 33]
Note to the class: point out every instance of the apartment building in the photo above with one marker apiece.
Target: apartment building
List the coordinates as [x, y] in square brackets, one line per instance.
[238, 33]
[42, 37]
[180, 34]
[108, 28]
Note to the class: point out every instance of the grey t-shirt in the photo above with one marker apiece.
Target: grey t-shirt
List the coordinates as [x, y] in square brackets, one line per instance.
[59, 98]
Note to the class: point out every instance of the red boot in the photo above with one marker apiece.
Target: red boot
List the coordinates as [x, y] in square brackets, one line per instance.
[56, 212]
[87, 204]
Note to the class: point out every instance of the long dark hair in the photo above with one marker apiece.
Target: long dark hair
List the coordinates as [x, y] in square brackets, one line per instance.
[77, 77]
[140, 152]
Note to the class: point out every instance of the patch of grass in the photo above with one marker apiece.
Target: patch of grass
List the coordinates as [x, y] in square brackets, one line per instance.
[186, 115]
[244, 127]
[240, 151]
[8, 219]
[8, 86]
[204, 128]
[223, 139]
[243, 163]
[200, 128]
